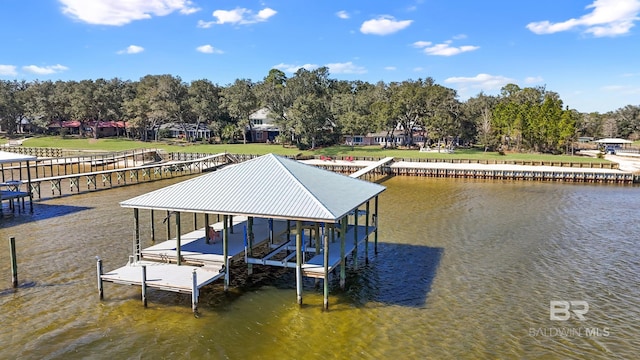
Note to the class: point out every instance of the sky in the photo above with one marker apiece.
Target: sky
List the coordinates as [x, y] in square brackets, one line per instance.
[587, 51]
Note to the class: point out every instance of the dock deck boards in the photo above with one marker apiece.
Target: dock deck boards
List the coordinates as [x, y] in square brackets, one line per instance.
[314, 267]
[165, 276]
[194, 248]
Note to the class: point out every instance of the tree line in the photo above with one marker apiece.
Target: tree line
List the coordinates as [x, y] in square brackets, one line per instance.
[312, 109]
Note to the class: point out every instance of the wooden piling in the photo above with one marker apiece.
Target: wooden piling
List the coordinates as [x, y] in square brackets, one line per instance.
[366, 231]
[14, 262]
[375, 223]
[178, 239]
[99, 270]
[136, 234]
[144, 285]
[206, 228]
[343, 265]
[194, 292]
[153, 227]
[250, 237]
[225, 250]
[195, 221]
[326, 269]
[355, 238]
[168, 221]
[299, 261]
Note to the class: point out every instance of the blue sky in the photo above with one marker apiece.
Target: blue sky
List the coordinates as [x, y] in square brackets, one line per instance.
[585, 50]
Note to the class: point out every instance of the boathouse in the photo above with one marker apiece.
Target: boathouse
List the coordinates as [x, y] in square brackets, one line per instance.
[307, 218]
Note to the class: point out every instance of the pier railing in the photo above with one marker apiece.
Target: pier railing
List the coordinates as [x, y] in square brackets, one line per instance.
[34, 151]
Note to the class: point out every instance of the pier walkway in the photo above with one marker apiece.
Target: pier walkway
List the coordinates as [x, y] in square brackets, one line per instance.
[134, 174]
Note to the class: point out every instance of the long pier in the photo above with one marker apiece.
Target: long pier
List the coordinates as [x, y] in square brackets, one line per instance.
[66, 175]
[527, 171]
[136, 174]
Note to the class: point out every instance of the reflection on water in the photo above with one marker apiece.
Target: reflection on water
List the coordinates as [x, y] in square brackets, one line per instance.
[465, 269]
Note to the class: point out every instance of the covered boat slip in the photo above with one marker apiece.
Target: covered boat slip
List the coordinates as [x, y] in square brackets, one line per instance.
[302, 211]
[313, 248]
[198, 249]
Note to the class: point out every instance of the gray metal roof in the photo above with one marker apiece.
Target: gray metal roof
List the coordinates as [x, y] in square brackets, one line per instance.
[267, 186]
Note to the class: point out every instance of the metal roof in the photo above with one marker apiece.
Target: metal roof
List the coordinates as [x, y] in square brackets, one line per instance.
[267, 186]
[9, 157]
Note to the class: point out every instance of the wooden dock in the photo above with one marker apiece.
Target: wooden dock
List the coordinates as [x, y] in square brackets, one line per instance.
[123, 176]
[372, 167]
[560, 172]
[202, 260]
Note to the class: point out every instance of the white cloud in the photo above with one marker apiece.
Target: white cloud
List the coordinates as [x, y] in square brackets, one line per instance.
[346, 68]
[44, 70]
[8, 70]
[390, 68]
[481, 81]
[121, 12]
[421, 44]
[131, 49]
[293, 68]
[241, 16]
[342, 14]
[208, 49]
[444, 49]
[384, 25]
[608, 18]
[205, 24]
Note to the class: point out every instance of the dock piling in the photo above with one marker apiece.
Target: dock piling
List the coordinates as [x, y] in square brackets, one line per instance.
[144, 285]
[194, 292]
[14, 262]
[99, 270]
[299, 261]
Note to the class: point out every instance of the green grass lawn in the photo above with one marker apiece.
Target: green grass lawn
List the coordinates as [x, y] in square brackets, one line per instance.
[120, 144]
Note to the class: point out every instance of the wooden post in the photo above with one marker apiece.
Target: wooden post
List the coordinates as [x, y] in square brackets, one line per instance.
[366, 239]
[326, 269]
[178, 234]
[225, 250]
[14, 262]
[343, 265]
[99, 270]
[136, 234]
[299, 261]
[153, 227]
[168, 220]
[316, 230]
[270, 231]
[375, 224]
[355, 238]
[144, 285]
[194, 292]
[206, 228]
[195, 221]
[288, 230]
[29, 187]
[250, 236]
